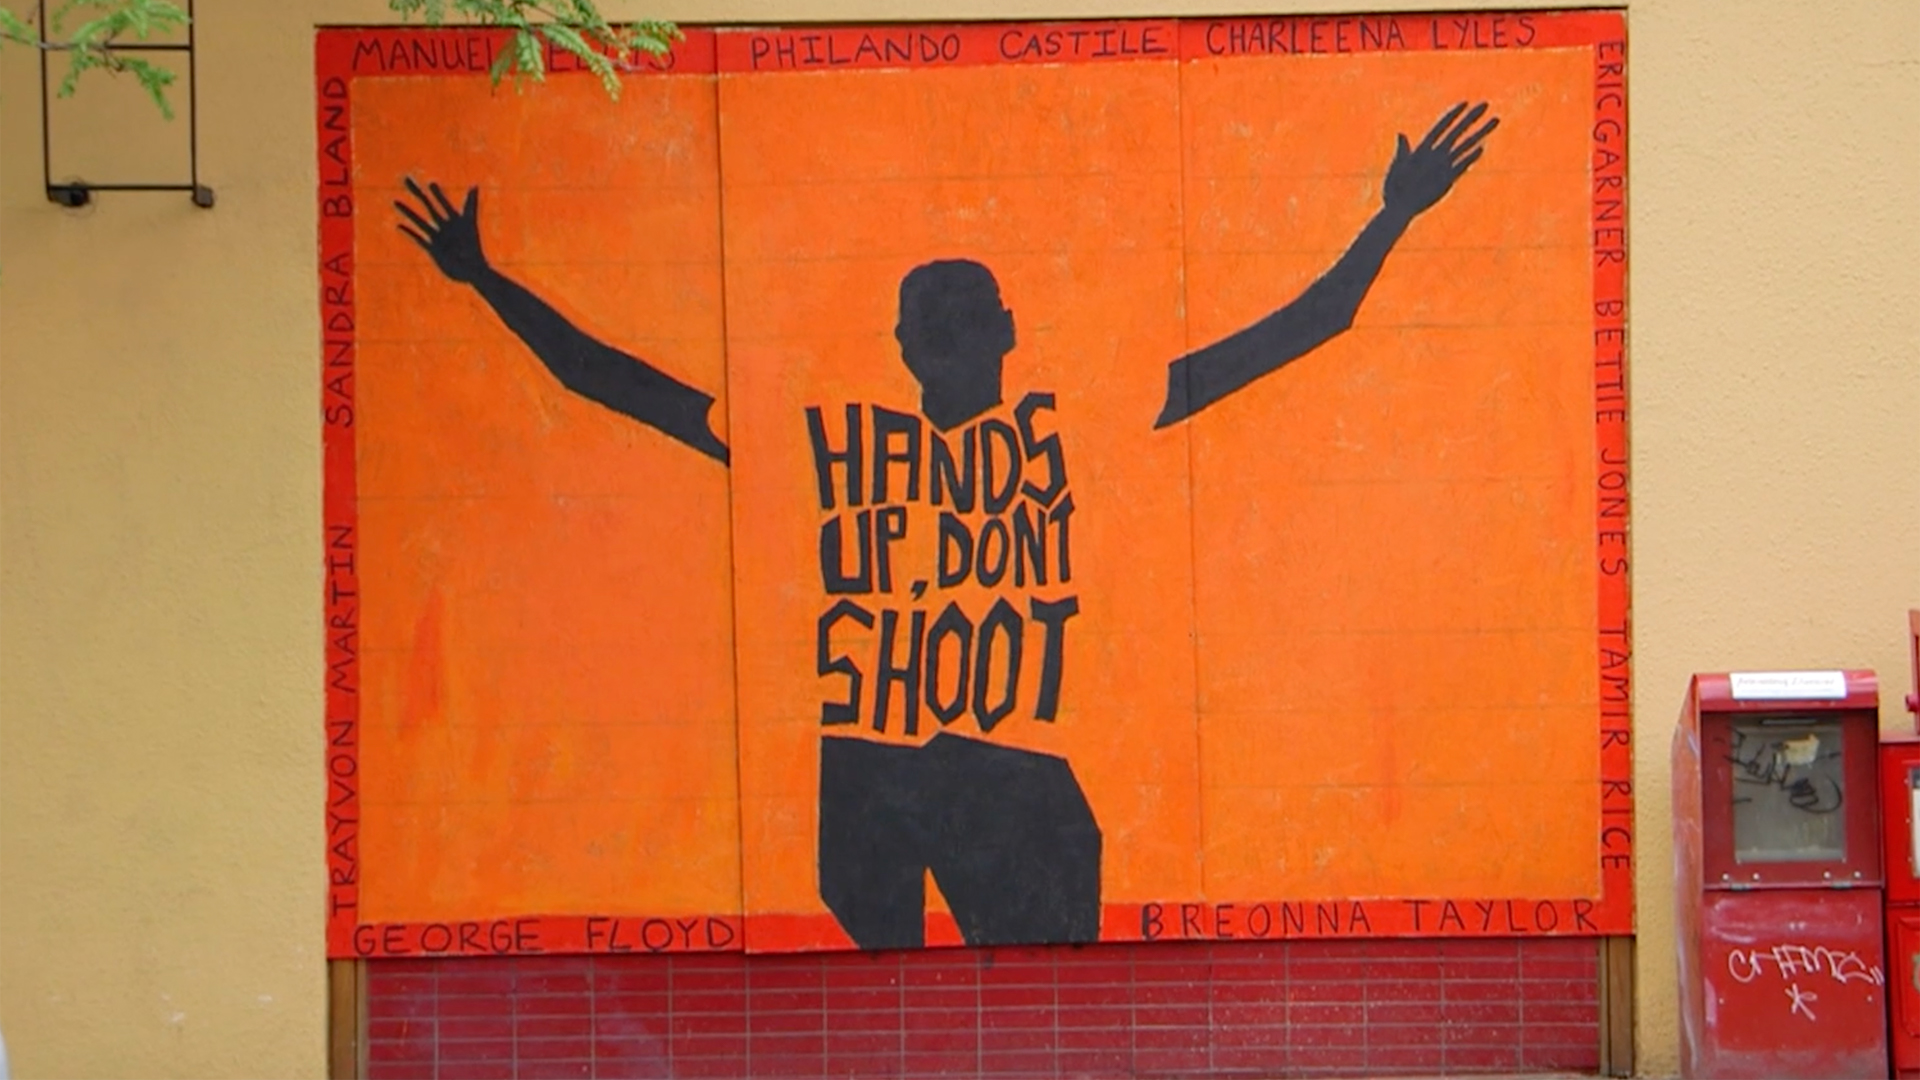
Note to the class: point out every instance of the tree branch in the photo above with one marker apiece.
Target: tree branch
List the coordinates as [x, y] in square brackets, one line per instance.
[573, 26]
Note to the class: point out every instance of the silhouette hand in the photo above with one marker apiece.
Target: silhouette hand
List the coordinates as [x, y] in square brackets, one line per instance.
[1421, 175]
[451, 236]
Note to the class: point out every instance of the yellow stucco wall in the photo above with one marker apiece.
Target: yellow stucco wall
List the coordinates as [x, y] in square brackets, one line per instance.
[160, 747]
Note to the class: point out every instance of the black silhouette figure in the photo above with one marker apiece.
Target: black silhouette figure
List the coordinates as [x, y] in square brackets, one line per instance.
[1419, 177]
[623, 383]
[954, 336]
[1007, 834]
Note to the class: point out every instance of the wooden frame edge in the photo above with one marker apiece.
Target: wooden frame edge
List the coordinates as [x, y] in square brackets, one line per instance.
[346, 1019]
[1616, 1006]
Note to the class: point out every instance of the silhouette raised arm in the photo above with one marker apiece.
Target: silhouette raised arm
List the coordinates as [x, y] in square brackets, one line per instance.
[623, 383]
[1419, 177]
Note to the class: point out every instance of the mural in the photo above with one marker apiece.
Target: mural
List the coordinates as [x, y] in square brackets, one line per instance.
[991, 484]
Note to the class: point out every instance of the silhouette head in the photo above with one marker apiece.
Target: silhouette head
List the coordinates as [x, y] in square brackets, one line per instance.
[954, 333]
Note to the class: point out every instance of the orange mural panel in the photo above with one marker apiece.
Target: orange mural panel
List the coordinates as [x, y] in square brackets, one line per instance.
[949, 196]
[546, 714]
[1411, 504]
[1004, 483]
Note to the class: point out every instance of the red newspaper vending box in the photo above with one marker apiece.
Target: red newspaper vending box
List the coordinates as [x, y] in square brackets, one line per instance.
[1900, 788]
[1778, 876]
[1913, 643]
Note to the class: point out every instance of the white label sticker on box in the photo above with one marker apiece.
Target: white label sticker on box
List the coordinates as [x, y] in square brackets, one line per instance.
[1788, 685]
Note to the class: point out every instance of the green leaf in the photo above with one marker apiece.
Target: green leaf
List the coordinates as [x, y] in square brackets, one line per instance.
[155, 79]
[81, 60]
[158, 15]
[92, 44]
[91, 31]
[569, 39]
[527, 59]
[14, 29]
[59, 17]
[501, 65]
[657, 37]
[577, 26]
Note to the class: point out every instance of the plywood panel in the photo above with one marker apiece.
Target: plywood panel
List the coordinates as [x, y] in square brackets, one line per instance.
[1394, 574]
[1001, 484]
[546, 641]
[1062, 183]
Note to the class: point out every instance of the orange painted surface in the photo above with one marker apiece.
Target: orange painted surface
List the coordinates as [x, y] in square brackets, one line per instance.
[1395, 576]
[1077, 212]
[1335, 636]
[1394, 583]
[547, 699]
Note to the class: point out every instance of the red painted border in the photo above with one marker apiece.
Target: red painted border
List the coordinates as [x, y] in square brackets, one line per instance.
[1276, 920]
[764, 50]
[345, 54]
[394, 50]
[535, 935]
[1271, 920]
[340, 510]
[1608, 178]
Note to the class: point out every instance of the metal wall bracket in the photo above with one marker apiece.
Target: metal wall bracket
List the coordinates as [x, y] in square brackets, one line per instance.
[77, 193]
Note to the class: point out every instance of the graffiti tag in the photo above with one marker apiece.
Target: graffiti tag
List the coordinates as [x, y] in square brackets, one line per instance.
[1790, 961]
[1774, 763]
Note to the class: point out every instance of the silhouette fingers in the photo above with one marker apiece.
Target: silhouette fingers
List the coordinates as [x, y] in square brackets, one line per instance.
[1460, 167]
[1439, 128]
[417, 238]
[441, 197]
[432, 211]
[472, 204]
[414, 216]
[1472, 142]
[1453, 137]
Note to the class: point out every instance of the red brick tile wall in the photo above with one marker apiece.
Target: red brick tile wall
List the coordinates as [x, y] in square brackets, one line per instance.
[1255, 1009]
